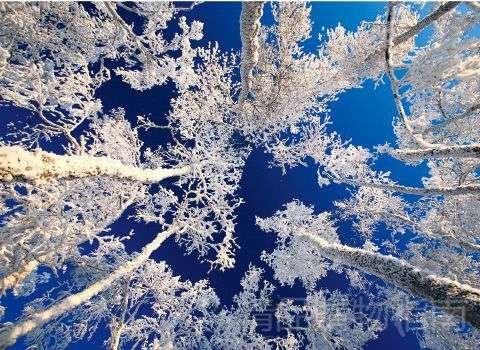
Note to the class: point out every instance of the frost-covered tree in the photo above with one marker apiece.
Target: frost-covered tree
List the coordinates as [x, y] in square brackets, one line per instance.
[105, 168]
[70, 170]
[321, 250]
[152, 309]
[55, 55]
[149, 308]
[235, 327]
[331, 322]
[286, 87]
[444, 214]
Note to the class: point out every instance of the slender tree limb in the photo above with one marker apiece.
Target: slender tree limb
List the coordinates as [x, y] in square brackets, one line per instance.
[427, 20]
[446, 238]
[454, 119]
[17, 164]
[422, 24]
[474, 5]
[394, 82]
[118, 326]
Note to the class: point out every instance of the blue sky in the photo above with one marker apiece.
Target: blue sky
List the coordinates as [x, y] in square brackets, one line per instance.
[362, 115]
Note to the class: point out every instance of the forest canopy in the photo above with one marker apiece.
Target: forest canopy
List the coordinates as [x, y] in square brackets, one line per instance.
[128, 140]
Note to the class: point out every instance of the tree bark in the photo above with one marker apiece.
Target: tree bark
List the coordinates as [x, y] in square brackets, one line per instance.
[118, 326]
[17, 164]
[249, 30]
[455, 298]
[10, 334]
[438, 152]
[420, 191]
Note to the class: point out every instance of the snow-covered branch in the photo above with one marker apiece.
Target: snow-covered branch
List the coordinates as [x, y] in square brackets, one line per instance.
[438, 152]
[427, 20]
[457, 298]
[422, 191]
[17, 164]
[454, 119]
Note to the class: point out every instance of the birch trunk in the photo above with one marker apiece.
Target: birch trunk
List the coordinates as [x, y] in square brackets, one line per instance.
[17, 164]
[10, 334]
[440, 191]
[456, 298]
[249, 31]
[118, 326]
[438, 152]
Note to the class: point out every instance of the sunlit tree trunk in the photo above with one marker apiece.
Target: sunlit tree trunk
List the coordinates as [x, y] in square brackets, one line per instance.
[17, 164]
[10, 334]
[454, 297]
[249, 31]
[439, 191]
[439, 151]
[118, 325]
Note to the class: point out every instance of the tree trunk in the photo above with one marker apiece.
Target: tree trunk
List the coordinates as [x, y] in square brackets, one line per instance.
[249, 31]
[10, 334]
[440, 191]
[17, 164]
[455, 298]
[118, 326]
[438, 152]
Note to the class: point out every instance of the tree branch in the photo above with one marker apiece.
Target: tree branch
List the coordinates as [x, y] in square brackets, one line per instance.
[456, 298]
[439, 12]
[394, 82]
[438, 152]
[17, 164]
[451, 120]
[440, 191]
